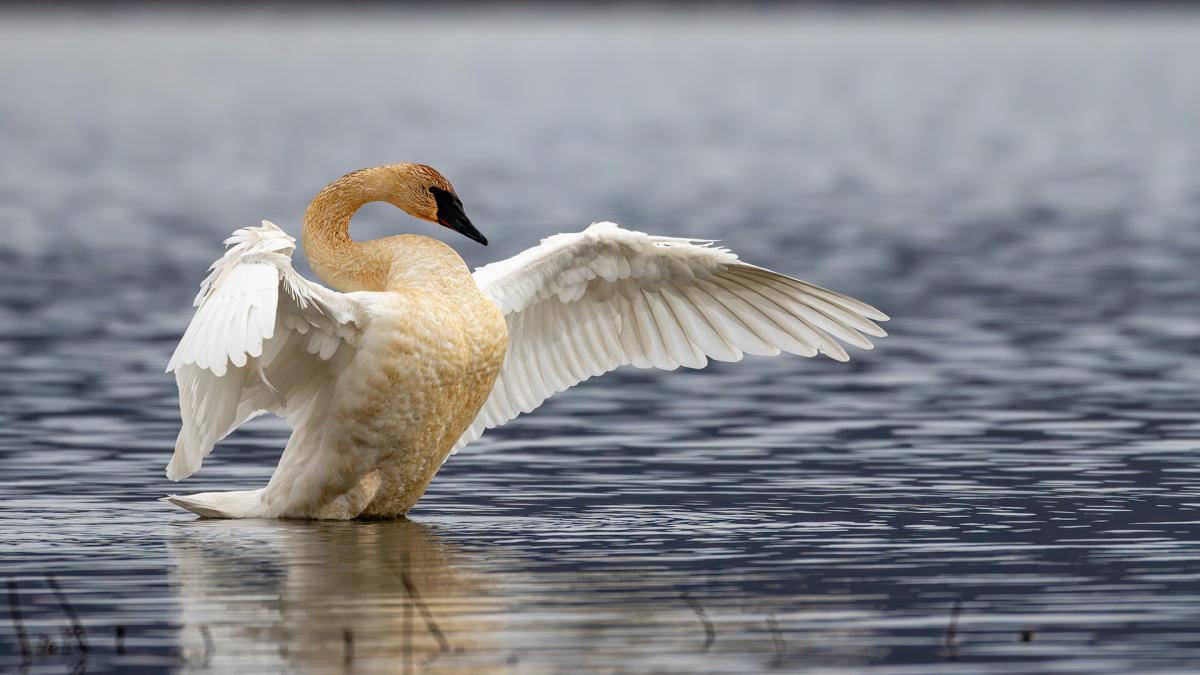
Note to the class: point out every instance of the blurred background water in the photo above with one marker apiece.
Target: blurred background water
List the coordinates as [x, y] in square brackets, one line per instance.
[1007, 484]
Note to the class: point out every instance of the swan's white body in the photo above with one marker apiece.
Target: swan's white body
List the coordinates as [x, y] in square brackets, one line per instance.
[576, 306]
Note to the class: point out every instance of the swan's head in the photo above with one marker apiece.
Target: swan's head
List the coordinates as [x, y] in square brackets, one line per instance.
[424, 193]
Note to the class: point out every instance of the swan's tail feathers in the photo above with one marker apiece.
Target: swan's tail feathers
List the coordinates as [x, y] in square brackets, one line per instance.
[242, 504]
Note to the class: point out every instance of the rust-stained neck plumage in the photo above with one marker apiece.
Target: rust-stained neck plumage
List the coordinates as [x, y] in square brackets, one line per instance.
[392, 263]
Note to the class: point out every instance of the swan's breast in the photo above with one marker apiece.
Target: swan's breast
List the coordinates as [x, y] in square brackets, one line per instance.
[424, 367]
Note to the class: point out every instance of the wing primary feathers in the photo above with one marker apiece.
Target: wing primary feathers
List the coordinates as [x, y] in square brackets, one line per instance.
[771, 323]
[750, 340]
[845, 301]
[819, 324]
[795, 294]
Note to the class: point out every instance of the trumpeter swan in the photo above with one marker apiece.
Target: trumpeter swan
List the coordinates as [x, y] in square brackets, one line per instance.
[413, 356]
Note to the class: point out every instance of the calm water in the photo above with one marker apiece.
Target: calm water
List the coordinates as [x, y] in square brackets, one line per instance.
[1022, 194]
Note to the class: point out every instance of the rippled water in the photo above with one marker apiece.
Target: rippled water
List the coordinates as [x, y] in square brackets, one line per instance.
[1007, 484]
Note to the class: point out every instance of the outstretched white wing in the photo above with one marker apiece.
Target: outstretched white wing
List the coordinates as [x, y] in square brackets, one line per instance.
[263, 339]
[580, 305]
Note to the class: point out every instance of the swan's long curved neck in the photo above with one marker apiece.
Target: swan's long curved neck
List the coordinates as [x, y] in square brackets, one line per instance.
[389, 264]
[340, 262]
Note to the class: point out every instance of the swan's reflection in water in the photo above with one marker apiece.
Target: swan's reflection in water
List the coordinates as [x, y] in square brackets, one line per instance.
[400, 597]
[367, 597]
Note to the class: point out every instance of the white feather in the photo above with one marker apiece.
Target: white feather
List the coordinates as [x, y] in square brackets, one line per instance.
[250, 311]
[583, 304]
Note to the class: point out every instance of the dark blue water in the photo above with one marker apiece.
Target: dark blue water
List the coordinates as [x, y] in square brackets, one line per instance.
[1008, 483]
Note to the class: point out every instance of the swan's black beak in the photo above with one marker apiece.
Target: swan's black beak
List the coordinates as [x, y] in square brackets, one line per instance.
[450, 214]
[462, 225]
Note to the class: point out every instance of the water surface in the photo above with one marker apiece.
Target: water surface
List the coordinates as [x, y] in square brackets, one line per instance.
[1008, 483]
